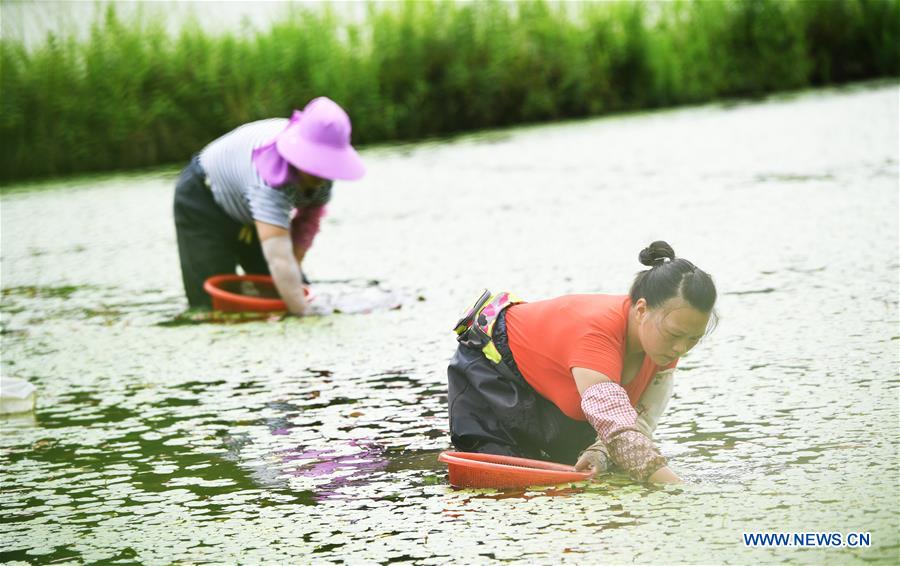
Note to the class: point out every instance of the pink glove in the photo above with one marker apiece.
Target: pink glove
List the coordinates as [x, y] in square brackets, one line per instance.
[607, 408]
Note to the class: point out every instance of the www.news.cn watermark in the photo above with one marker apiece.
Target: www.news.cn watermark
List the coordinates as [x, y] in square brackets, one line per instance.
[809, 540]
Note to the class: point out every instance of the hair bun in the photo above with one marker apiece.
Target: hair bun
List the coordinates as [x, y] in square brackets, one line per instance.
[656, 253]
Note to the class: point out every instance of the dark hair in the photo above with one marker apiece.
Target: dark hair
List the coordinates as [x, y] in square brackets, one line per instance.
[669, 277]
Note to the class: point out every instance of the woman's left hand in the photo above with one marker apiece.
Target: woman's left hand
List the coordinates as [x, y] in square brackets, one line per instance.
[664, 475]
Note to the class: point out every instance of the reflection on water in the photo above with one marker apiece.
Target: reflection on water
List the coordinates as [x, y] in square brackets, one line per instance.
[316, 439]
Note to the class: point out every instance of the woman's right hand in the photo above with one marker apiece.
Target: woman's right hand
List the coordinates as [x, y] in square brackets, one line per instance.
[595, 458]
[286, 274]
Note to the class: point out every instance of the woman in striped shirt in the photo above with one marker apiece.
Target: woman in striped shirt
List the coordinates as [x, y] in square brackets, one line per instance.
[255, 196]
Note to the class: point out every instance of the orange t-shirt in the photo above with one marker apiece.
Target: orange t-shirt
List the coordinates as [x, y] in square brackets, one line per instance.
[549, 338]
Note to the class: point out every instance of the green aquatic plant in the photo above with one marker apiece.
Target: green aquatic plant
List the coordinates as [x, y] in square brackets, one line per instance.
[31, 291]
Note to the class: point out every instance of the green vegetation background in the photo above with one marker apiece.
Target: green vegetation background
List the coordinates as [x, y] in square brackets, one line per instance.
[132, 95]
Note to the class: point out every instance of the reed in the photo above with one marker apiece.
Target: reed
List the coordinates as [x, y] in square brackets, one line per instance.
[132, 95]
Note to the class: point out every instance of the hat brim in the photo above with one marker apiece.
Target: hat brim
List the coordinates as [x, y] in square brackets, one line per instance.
[321, 160]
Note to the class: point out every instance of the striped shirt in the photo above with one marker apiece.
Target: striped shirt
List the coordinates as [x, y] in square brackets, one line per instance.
[237, 186]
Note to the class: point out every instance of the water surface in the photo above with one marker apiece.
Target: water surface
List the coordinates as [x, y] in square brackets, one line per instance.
[316, 439]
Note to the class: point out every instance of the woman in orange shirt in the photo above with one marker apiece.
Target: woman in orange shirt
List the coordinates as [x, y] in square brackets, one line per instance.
[579, 378]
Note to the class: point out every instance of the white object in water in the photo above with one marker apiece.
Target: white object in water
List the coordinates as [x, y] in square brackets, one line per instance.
[16, 395]
[352, 300]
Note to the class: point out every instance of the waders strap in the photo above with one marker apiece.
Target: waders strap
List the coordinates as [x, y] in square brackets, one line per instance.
[246, 234]
[475, 327]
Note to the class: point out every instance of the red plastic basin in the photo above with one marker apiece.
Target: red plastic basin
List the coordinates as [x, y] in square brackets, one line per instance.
[227, 292]
[470, 469]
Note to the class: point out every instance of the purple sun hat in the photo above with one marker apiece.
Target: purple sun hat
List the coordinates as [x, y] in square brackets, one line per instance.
[316, 141]
[319, 142]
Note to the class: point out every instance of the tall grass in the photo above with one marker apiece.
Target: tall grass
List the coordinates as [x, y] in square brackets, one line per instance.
[133, 95]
